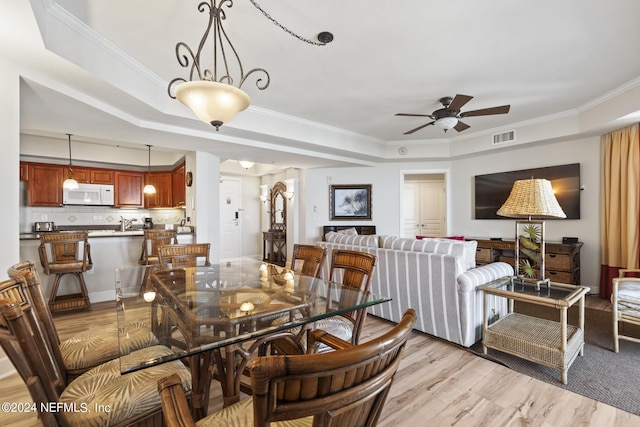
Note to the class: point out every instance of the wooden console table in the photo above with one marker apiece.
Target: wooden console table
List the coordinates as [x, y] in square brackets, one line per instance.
[562, 260]
[274, 247]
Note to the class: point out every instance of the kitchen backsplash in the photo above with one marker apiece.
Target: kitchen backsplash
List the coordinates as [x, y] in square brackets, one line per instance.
[94, 215]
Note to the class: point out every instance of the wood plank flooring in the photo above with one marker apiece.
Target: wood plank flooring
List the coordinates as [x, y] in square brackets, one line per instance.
[438, 384]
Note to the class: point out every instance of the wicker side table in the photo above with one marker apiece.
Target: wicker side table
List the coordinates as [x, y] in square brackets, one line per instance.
[551, 343]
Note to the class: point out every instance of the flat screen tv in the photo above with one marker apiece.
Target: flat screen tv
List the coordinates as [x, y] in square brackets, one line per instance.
[492, 190]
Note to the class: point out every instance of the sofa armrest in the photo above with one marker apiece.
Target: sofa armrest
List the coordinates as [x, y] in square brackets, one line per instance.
[471, 279]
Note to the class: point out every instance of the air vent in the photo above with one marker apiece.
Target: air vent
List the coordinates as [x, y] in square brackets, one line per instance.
[501, 138]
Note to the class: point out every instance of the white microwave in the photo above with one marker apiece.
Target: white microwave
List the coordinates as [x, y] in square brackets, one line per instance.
[89, 194]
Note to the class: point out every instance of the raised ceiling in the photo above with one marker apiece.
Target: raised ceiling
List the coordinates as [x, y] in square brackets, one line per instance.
[100, 70]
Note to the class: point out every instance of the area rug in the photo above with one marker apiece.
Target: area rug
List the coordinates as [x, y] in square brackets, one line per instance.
[601, 374]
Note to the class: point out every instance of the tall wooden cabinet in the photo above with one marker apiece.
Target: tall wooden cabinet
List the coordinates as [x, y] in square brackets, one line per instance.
[179, 190]
[562, 260]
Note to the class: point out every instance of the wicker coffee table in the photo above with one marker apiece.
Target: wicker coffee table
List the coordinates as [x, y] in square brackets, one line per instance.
[551, 343]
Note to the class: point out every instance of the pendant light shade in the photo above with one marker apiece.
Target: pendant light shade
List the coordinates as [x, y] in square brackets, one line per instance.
[149, 188]
[70, 183]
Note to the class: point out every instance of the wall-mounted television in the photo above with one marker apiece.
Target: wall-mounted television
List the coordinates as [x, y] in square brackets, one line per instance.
[492, 190]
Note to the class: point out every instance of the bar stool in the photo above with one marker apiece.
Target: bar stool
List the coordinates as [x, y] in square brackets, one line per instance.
[66, 252]
[154, 239]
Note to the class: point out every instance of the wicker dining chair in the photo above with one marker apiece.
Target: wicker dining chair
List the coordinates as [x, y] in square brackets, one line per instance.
[62, 253]
[82, 351]
[353, 270]
[625, 302]
[185, 255]
[307, 259]
[346, 387]
[130, 400]
[154, 239]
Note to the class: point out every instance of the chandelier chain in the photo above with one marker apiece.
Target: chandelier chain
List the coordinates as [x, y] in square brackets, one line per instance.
[264, 12]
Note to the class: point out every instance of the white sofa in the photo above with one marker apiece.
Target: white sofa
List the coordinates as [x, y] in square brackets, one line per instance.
[436, 277]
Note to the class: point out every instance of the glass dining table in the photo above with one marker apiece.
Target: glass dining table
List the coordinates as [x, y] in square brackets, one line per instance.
[217, 316]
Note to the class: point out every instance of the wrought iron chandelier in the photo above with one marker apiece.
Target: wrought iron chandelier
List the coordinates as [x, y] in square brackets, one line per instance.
[214, 95]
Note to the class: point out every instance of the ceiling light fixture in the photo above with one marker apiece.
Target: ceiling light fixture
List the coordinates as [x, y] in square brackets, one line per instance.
[246, 164]
[446, 123]
[149, 188]
[214, 95]
[70, 183]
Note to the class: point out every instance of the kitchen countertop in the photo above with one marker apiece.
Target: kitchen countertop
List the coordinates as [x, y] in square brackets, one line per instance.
[99, 233]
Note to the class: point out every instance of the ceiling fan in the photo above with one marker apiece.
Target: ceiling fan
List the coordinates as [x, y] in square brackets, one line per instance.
[449, 117]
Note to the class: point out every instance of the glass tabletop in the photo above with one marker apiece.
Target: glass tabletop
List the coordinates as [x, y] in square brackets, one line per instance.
[533, 289]
[194, 309]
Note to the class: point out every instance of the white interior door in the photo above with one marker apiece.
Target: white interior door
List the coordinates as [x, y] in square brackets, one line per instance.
[432, 209]
[230, 218]
[411, 226]
[424, 205]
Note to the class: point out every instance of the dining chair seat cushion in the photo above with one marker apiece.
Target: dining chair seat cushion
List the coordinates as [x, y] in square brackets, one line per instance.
[125, 396]
[336, 326]
[630, 291]
[69, 267]
[94, 348]
[241, 414]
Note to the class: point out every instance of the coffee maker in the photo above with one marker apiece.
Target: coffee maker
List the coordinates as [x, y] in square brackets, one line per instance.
[148, 224]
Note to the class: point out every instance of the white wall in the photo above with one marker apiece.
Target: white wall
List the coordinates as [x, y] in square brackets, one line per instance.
[9, 164]
[386, 190]
[386, 195]
[584, 151]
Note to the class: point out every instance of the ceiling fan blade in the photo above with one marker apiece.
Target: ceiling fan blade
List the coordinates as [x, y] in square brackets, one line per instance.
[414, 115]
[461, 126]
[459, 101]
[503, 109]
[418, 128]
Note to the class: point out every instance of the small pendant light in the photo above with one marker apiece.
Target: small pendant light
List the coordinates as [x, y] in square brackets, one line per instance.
[149, 188]
[70, 183]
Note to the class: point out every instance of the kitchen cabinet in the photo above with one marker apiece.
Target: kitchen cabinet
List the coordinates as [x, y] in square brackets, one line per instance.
[24, 171]
[92, 176]
[178, 186]
[163, 198]
[45, 185]
[128, 189]
[102, 176]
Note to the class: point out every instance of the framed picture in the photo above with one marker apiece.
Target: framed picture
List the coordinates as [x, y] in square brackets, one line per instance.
[350, 202]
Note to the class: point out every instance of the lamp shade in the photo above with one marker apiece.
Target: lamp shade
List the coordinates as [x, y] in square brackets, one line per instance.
[70, 184]
[532, 198]
[212, 102]
[446, 123]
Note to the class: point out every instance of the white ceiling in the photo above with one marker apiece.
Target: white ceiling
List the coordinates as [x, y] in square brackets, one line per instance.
[100, 70]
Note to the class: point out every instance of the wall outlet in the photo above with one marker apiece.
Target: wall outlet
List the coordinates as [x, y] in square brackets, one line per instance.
[43, 217]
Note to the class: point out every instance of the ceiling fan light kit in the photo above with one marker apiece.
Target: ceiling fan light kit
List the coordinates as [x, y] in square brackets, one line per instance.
[446, 123]
[449, 116]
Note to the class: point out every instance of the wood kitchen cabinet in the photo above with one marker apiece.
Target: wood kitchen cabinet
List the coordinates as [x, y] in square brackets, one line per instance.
[163, 197]
[92, 175]
[128, 189]
[178, 186]
[24, 171]
[45, 184]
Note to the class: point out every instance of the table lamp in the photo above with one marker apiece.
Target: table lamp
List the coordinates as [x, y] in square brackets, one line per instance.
[531, 198]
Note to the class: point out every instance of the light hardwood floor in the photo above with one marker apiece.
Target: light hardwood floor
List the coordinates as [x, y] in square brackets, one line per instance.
[438, 384]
